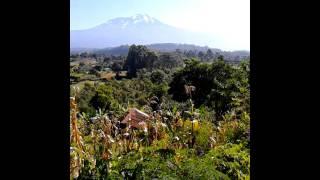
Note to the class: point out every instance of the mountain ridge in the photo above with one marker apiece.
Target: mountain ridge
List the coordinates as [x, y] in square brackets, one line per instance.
[138, 29]
[166, 47]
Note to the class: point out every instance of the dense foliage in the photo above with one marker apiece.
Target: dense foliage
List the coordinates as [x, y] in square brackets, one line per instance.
[188, 50]
[199, 120]
[218, 85]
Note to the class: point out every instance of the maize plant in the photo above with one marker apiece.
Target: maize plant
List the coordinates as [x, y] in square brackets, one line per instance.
[77, 149]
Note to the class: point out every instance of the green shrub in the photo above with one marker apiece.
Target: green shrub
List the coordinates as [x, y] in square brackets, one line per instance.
[203, 135]
[232, 160]
[84, 98]
[157, 76]
[159, 90]
[102, 98]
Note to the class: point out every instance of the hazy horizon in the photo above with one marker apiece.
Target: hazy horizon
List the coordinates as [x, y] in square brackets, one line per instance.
[226, 20]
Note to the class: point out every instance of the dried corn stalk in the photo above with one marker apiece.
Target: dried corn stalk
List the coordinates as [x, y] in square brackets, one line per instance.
[76, 151]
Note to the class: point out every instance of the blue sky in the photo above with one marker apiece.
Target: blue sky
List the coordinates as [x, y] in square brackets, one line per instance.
[227, 19]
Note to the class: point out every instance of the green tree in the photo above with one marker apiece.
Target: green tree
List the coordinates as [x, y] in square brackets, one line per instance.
[219, 85]
[103, 98]
[139, 57]
[84, 97]
[157, 76]
[159, 90]
[209, 55]
[196, 74]
[169, 60]
[220, 97]
[201, 55]
[116, 67]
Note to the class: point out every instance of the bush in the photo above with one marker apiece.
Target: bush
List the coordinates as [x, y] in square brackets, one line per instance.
[84, 97]
[103, 98]
[159, 90]
[232, 160]
[157, 77]
[234, 130]
[217, 86]
[203, 135]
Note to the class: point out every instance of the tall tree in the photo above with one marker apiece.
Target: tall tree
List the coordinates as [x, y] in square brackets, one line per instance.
[209, 55]
[139, 57]
[201, 55]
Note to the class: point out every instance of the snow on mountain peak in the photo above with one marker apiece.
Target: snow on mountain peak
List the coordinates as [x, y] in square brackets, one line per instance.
[142, 18]
[124, 22]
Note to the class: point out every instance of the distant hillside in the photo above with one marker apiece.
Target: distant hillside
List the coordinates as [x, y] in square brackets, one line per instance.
[169, 47]
[80, 50]
[116, 51]
[166, 47]
[160, 47]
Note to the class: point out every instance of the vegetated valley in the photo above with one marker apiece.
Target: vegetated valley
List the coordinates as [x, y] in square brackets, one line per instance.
[155, 114]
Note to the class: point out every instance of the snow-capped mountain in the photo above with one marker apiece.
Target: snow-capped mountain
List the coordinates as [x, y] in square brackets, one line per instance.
[137, 29]
[138, 18]
[127, 22]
